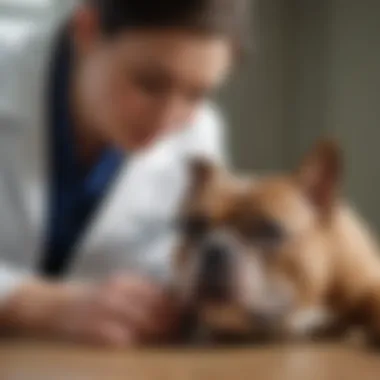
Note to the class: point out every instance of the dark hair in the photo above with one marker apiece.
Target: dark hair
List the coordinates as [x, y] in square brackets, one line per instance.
[225, 17]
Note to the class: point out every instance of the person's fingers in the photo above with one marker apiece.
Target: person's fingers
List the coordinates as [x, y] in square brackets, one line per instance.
[144, 294]
[110, 334]
[133, 312]
[138, 313]
[136, 285]
[139, 304]
[158, 318]
[167, 316]
[147, 318]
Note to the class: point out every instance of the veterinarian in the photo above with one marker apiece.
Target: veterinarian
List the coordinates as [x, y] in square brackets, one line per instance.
[98, 115]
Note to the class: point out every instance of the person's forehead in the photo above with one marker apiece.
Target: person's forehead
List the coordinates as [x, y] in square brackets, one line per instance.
[162, 40]
[176, 52]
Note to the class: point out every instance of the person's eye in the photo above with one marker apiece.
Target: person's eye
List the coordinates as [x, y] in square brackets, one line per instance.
[265, 232]
[151, 84]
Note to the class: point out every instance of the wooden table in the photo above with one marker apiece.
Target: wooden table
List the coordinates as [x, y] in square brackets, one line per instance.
[30, 361]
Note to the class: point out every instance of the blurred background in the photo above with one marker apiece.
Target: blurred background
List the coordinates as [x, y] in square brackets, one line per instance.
[315, 72]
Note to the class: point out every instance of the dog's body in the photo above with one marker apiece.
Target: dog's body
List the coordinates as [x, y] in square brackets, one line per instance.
[280, 256]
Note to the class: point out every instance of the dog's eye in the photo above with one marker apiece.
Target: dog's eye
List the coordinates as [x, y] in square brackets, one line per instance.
[265, 231]
[195, 226]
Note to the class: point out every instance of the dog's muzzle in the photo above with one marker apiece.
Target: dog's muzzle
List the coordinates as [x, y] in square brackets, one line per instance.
[214, 280]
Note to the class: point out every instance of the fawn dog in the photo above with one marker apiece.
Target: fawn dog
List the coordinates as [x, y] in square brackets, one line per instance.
[276, 257]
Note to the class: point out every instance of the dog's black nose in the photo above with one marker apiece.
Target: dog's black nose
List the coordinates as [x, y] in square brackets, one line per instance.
[214, 273]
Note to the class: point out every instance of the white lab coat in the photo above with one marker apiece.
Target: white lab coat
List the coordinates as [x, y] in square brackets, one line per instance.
[132, 228]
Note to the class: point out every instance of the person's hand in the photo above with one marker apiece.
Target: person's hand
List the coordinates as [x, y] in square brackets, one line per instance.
[120, 312]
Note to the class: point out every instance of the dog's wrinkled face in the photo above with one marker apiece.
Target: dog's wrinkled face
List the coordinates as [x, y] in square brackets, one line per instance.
[237, 265]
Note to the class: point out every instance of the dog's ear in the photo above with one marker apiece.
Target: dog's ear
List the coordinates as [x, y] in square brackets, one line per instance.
[320, 173]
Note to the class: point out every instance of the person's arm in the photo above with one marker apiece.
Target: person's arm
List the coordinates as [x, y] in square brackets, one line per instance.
[25, 300]
[119, 312]
[122, 311]
[33, 306]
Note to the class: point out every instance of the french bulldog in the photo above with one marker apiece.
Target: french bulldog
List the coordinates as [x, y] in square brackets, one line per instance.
[281, 256]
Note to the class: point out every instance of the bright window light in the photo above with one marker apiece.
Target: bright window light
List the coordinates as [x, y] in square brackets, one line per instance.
[27, 3]
[12, 31]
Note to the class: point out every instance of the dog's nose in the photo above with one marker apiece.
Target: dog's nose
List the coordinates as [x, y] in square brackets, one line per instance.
[214, 273]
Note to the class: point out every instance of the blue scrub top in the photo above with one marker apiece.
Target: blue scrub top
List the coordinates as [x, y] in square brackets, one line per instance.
[75, 191]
